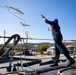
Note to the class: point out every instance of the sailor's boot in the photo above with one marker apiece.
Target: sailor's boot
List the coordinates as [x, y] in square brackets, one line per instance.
[71, 61]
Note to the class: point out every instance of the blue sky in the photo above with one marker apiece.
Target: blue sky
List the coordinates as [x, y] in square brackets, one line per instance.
[64, 10]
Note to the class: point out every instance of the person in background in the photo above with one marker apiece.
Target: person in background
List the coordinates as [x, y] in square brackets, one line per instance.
[59, 46]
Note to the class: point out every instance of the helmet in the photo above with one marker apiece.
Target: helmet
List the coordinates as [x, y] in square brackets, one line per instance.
[56, 20]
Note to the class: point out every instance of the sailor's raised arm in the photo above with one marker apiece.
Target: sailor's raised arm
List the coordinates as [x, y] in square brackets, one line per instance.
[46, 20]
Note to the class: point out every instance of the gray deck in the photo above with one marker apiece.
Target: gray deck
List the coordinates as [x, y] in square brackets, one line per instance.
[45, 69]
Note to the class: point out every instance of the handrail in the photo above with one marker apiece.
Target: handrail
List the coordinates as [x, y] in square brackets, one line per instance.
[35, 38]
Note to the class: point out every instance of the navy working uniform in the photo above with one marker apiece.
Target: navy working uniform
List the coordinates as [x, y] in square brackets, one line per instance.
[59, 46]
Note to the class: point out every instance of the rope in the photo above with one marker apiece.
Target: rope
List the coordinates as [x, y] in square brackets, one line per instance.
[34, 71]
[8, 9]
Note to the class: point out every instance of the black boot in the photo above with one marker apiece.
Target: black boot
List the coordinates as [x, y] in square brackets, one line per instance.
[71, 61]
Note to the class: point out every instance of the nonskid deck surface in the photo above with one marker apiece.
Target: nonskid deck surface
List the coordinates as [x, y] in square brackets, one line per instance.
[47, 70]
[44, 69]
[71, 70]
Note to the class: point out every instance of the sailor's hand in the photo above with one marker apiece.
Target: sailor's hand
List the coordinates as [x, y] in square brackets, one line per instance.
[49, 29]
[43, 16]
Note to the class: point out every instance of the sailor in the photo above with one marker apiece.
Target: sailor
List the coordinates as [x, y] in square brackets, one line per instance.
[59, 46]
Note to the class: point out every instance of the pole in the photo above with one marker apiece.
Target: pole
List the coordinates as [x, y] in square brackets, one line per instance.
[4, 35]
[26, 36]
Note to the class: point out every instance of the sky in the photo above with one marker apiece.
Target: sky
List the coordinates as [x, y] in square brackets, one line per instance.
[63, 10]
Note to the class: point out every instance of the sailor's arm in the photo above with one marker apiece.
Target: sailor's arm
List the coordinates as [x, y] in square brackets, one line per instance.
[46, 20]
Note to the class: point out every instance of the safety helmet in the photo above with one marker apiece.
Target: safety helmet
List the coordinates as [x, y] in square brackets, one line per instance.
[56, 20]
